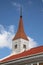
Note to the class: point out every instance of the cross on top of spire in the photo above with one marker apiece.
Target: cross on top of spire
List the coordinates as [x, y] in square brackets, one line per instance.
[20, 11]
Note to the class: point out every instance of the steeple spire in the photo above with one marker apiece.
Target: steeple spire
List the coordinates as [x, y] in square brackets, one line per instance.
[20, 11]
[20, 32]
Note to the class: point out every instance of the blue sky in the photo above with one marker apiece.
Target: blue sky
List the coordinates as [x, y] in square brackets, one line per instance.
[32, 18]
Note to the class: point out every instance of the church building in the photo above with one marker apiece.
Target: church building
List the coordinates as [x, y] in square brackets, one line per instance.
[21, 54]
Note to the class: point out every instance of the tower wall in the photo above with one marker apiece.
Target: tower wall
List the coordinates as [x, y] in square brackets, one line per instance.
[22, 45]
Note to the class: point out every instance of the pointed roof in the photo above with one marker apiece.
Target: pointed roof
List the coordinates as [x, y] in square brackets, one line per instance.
[20, 32]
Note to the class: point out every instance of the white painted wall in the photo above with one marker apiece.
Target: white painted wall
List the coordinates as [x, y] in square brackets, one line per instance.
[20, 43]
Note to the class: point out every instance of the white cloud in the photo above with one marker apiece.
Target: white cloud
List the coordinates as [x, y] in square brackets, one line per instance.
[17, 5]
[32, 43]
[7, 35]
[42, 0]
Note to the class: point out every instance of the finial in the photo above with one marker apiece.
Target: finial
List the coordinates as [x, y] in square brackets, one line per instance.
[20, 11]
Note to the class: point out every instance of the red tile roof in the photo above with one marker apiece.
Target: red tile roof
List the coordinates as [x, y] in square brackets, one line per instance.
[20, 32]
[24, 54]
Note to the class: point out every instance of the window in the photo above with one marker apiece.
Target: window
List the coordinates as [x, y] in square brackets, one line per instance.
[16, 46]
[24, 46]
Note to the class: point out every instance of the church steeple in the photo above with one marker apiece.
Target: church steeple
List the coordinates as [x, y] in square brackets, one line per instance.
[20, 40]
[20, 32]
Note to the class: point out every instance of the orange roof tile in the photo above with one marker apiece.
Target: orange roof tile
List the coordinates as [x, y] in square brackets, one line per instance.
[24, 54]
[20, 32]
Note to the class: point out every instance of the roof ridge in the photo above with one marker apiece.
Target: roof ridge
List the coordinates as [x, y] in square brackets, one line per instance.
[25, 54]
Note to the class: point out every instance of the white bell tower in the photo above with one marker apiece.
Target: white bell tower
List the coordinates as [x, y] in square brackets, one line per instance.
[20, 40]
